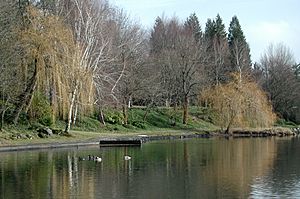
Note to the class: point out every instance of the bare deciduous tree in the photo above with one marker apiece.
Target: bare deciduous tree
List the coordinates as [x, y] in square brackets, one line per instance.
[280, 80]
[180, 60]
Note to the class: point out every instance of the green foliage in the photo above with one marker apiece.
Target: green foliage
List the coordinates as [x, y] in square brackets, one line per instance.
[40, 110]
[8, 108]
[113, 117]
[87, 123]
[139, 124]
[284, 123]
[192, 24]
[235, 32]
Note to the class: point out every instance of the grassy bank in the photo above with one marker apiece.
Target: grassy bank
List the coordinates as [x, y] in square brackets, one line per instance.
[158, 121]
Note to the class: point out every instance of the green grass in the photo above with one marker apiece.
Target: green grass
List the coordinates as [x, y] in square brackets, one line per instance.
[158, 120]
[168, 118]
[284, 123]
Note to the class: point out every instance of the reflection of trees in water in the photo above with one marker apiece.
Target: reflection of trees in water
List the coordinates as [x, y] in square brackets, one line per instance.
[207, 168]
[24, 175]
[177, 169]
[235, 164]
[284, 180]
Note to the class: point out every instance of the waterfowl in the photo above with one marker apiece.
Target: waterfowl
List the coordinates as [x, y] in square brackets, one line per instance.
[97, 159]
[81, 159]
[126, 157]
[90, 157]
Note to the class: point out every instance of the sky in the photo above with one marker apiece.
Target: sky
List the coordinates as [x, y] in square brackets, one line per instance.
[263, 21]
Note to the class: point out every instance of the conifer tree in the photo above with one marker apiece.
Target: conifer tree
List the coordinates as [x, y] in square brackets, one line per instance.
[157, 37]
[217, 50]
[220, 31]
[192, 24]
[239, 48]
[209, 29]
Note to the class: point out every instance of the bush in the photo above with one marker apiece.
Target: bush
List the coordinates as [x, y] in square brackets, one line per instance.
[283, 122]
[113, 117]
[40, 110]
[88, 123]
[139, 124]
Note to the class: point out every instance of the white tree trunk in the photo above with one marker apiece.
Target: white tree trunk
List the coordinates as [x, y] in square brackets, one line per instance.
[68, 126]
[75, 114]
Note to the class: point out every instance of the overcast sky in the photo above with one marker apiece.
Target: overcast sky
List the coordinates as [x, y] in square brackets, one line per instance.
[263, 21]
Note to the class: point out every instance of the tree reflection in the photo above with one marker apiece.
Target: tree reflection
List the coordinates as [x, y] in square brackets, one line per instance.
[206, 168]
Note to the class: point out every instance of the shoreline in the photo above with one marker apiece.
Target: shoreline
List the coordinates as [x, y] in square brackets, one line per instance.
[144, 137]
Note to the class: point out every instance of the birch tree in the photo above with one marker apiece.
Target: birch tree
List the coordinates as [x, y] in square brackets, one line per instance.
[88, 20]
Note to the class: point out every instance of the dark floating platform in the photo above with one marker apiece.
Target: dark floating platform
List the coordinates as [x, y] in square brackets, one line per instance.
[120, 142]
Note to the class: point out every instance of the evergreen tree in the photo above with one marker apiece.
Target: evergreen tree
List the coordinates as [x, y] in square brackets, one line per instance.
[192, 24]
[235, 31]
[157, 37]
[217, 50]
[220, 31]
[215, 29]
[209, 29]
[239, 48]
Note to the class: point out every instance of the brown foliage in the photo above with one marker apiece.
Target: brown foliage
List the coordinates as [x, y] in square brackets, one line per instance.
[239, 104]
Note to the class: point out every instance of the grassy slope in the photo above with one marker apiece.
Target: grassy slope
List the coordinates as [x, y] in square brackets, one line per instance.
[157, 122]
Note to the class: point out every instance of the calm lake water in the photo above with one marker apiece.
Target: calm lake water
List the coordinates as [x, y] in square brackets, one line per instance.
[196, 168]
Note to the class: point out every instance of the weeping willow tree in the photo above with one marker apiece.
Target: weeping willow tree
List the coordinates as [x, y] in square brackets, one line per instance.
[49, 64]
[239, 104]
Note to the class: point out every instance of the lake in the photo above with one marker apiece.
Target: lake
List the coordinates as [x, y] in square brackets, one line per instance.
[194, 168]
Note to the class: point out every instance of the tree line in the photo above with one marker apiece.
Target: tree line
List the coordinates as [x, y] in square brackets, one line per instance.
[61, 59]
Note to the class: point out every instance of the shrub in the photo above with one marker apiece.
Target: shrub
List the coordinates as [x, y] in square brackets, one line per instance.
[113, 117]
[88, 123]
[40, 110]
[139, 124]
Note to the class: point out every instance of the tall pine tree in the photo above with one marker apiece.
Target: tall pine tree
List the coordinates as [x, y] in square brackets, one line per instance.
[239, 48]
[192, 24]
[220, 31]
[217, 50]
[157, 37]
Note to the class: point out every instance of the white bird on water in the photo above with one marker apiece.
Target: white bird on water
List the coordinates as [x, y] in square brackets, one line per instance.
[98, 159]
[126, 157]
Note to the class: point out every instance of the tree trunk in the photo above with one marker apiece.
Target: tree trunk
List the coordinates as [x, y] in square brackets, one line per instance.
[146, 113]
[4, 109]
[2, 119]
[185, 109]
[227, 131]
[69, 121]
[130, 102]
[101, 116]
[52, 100]
[125, 111]
[75, 114]
[167, 103]
[26, 97]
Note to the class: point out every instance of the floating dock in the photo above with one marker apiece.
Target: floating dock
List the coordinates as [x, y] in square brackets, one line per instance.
[120, 142]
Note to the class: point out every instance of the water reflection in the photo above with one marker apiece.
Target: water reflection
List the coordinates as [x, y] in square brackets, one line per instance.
[201, 168]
